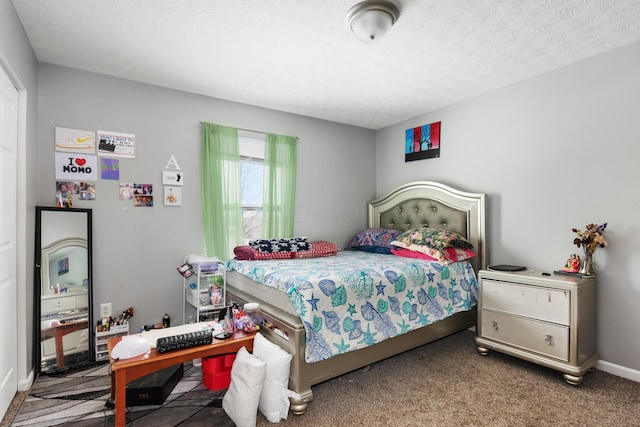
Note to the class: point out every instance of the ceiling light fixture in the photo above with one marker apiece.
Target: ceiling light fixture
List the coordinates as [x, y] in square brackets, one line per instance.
[371, 19]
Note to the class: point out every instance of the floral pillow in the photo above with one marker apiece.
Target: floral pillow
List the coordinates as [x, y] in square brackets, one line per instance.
[445, 256]
[376, 240]
[434, 238]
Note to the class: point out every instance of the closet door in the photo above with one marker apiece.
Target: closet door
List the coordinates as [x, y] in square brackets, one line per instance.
[8, 250]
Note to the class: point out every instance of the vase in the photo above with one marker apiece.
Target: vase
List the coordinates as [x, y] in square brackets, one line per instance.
[588, 268]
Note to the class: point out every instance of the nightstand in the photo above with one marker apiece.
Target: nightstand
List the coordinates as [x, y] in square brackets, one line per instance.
[548, 320]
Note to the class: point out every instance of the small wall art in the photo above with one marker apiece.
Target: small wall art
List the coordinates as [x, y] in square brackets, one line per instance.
[75, 140]
[172, 196]
[72, 166]
[422, 142]
[110, 168]
[116, 144]
[63, 266]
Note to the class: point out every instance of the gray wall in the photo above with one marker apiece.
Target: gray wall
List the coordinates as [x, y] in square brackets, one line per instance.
[136, 250]
[554, 152]
[19, 62]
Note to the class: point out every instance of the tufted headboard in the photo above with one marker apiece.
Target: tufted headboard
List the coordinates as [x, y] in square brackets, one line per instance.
[430, 204]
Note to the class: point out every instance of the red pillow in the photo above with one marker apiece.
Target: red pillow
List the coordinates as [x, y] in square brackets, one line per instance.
[412, 254]
[449, 254]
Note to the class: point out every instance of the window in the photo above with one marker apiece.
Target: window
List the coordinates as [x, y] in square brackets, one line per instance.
[251, 147]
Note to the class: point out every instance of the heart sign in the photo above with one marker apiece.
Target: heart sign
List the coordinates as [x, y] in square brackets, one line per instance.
[71, 167]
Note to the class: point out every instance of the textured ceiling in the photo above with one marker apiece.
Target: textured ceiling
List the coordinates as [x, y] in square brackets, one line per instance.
[299, 57]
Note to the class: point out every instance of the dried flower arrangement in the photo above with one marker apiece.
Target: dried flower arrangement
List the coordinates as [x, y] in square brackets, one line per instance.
[590, 238]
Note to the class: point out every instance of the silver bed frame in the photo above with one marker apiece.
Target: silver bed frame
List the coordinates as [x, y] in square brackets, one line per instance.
[414, 205]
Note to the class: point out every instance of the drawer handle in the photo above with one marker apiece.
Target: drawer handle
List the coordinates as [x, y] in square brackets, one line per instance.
[495, 325]
[547, 339]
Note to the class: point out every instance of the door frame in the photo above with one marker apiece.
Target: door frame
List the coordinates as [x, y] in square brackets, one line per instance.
[25, 208]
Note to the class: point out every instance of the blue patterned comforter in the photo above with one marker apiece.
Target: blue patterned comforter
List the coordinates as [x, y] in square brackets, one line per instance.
[355, 299]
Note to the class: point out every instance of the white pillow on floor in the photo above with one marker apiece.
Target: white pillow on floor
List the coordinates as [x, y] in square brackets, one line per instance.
[274, 399]
[241, 400]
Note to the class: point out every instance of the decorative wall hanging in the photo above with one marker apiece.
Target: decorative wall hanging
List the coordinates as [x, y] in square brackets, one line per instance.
[75, 140]
[63, 266]
[172, 174]
[126, 190]
[172, 196]
[422, 142]
[143, 201]
[116, 144]
[173, 180]
[110, 169]
[76, 167]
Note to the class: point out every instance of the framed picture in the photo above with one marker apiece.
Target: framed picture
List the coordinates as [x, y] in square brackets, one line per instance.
[422, 142]
[63, 266]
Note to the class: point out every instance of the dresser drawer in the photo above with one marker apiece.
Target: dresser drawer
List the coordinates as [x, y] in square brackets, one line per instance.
[551, 305]
[50, 305]
[541, 337]
[82, 301]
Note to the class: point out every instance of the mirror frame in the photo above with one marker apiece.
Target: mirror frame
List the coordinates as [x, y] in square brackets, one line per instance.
[37, 294]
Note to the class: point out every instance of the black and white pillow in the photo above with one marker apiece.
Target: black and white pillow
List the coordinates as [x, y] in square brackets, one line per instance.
[294, 244]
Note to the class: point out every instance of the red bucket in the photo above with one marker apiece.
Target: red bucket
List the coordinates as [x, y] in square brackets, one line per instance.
[216, 371]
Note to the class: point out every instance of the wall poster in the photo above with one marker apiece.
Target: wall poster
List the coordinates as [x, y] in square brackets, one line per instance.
[422, 142]
[75, 140]
[76, 167]
[116, 144]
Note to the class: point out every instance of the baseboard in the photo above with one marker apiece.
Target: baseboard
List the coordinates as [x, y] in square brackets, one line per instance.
[26, 384]
[611, 368]
[619, 371]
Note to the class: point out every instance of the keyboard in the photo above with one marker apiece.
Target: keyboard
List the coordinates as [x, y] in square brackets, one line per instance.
[180, 341]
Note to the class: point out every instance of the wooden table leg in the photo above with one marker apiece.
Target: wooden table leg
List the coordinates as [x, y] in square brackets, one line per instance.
[121, 397]
[59, 350]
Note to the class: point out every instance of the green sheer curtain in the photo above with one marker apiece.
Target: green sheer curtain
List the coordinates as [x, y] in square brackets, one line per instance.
[220, 186]
[279, 195]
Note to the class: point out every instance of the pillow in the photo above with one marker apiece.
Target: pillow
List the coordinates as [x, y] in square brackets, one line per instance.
[317, 249]
[267, 246]
[376, 240]
[433, 238]
[241, 400]
[445, 256]
[406, 253]
[274, 399]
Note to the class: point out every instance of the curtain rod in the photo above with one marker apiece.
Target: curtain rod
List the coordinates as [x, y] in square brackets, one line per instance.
[249, 130]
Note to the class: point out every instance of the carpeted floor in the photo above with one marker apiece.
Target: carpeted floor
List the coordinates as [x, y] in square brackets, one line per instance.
[446, 383]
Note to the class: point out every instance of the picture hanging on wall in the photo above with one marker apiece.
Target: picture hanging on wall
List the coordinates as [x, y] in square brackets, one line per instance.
[172, 177]
[422, 142]
[116, 144]
[143, 201]
[126, 190]
[63, 266]
[172, 196]
[87, 191]
[78, 167]
[110, 168]
[75, 140]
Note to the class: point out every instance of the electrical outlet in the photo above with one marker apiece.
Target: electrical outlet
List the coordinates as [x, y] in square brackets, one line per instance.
[105, 310]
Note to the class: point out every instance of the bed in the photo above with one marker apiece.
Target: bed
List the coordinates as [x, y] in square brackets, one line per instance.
[411, 206]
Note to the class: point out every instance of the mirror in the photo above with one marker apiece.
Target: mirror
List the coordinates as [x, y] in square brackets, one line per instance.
[63, 289]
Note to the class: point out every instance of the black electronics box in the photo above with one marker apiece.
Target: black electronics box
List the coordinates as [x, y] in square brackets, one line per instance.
[154, 388]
